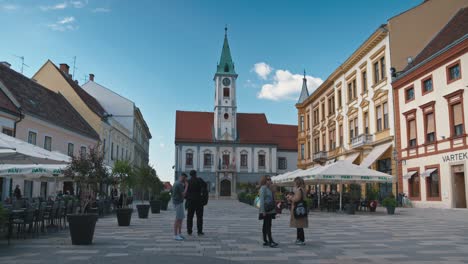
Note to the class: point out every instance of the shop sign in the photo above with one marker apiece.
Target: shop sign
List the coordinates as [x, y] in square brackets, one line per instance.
[455, 157]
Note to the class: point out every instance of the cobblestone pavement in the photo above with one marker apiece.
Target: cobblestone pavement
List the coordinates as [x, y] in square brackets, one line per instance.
[232, 235]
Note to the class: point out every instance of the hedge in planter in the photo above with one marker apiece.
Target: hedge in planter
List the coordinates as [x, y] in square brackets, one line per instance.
[165, 197]
[87, 171]
[390, 203]
[147, 182]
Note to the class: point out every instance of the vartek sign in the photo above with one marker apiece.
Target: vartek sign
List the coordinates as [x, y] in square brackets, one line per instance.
[455, 157]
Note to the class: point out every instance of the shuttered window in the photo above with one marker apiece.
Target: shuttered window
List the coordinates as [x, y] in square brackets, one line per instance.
[412, 133]
[430, 128]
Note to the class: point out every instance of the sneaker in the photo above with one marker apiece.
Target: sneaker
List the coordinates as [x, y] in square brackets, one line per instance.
[266, 244]
[178, 238]
[273, 244]
[182, 237]
[300, 243]
[201, 234]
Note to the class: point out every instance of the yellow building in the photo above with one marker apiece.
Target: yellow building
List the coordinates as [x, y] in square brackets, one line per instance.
[348, 117]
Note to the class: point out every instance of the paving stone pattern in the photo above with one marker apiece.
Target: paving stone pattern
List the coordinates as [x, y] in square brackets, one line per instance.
[233, 235]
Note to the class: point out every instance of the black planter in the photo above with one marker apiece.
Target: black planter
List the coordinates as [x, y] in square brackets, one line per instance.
[164, 205]
[124, 215]
[350, 209]
[143, 210]
[155, 206]
[82, 228]
[390, 210]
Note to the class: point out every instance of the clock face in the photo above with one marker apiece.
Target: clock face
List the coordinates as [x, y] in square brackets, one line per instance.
[226, 81]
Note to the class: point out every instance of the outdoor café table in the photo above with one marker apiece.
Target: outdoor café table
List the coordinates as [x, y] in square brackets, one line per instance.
[15, 214]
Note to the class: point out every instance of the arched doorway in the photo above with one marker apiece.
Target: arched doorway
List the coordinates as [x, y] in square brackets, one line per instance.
[225, 188]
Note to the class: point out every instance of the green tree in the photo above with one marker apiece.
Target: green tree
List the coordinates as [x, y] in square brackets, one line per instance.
[124, 173]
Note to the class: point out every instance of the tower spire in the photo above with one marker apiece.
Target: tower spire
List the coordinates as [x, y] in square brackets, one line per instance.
[304, 90]
[226, 65]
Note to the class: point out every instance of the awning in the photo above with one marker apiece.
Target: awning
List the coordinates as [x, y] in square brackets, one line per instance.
[409, 175]
[428, 172]
[375, 154]
[351, 158]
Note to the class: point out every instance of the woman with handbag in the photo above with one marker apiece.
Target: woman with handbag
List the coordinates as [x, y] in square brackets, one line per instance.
[267, 210]
[299, 210]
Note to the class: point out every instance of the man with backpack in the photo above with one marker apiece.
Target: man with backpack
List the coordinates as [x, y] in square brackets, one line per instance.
[197, 198]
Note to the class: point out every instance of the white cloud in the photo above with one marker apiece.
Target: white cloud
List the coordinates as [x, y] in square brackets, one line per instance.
[59, 6]
[262, 70]
[287, 86]
[101, 10]
[78, 4]
[64, 24]
[162, 145]
[9, 7]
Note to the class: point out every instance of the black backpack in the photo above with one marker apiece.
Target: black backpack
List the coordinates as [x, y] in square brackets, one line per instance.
[204, 192]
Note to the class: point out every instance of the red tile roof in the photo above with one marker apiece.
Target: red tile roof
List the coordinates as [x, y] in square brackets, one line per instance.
[197, 127]
[90, 101]
[455, 29]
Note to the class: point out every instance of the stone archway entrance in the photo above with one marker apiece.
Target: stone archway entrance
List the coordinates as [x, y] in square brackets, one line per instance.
[225, 188]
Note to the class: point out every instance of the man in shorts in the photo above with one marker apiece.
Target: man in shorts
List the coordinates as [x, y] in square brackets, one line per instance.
[178, 193]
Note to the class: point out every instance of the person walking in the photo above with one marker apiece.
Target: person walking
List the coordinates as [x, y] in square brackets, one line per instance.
[197, 198]
[299, 218]
[178, 193]
[267, 210]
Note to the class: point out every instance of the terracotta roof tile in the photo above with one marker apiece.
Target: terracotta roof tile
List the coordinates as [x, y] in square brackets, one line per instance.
[42, 103]
[455, 29]
[197, 127]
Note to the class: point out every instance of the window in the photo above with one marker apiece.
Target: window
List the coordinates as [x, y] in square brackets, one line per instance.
[378, 112]
[351, 129]
[7, 131]
[43, 191]
[432, 185]
[188, 159]
[308, 150]
[339, 98]
[341, 134]
[316, 144]
[207, 161]
[48, 143]
[83, 152]
[409, 94]
[226, 160]
[352, 92]
[430, 128]
[302, 152]
[376, 72]
[112, 151]
[412, 133]
[282, 163]
[28, 189]
[457, 119]
[382, 67]
[226, 92]
[364, 81]
[453, 72]
[324, 142]
[32, 137]
[71, 149]
[104, 145]
[385, 116]
[308, 121]
[331, 105]
[366, 123]
[414, 186]
[323, 111]
[427, 85]
[331, 139]
[244, 158]
[356, 127]
[301, 123]
[117, 154]
[261, 160]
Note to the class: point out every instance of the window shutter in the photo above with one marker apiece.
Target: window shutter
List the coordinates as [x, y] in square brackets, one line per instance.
[457, 115]
[430, 123]
[412, 128]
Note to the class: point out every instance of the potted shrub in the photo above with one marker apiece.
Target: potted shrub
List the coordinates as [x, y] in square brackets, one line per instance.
[123, 172]
[354, 196]
[390, 203]
[87, 170]
[156, 186]
[165, 197]
[372, 196]
[147, 181]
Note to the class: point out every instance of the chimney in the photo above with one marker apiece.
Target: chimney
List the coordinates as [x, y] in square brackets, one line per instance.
[6, 64]
[91, 77]
[65, 68]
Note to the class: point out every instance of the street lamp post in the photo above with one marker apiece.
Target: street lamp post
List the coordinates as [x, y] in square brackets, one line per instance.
[395, 157]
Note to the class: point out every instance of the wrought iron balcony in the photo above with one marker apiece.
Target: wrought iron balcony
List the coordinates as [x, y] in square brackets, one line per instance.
[320, 156]
[361, 140]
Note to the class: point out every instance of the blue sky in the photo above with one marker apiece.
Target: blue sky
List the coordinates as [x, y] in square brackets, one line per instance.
[163, 54]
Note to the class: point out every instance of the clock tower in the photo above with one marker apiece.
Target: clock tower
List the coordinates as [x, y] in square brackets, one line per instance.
[225, 107]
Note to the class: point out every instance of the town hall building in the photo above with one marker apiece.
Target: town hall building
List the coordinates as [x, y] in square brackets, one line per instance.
[227, 148]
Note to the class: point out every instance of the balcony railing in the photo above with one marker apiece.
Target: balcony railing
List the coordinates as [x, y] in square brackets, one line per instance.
[320, 156]
[361, 140]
